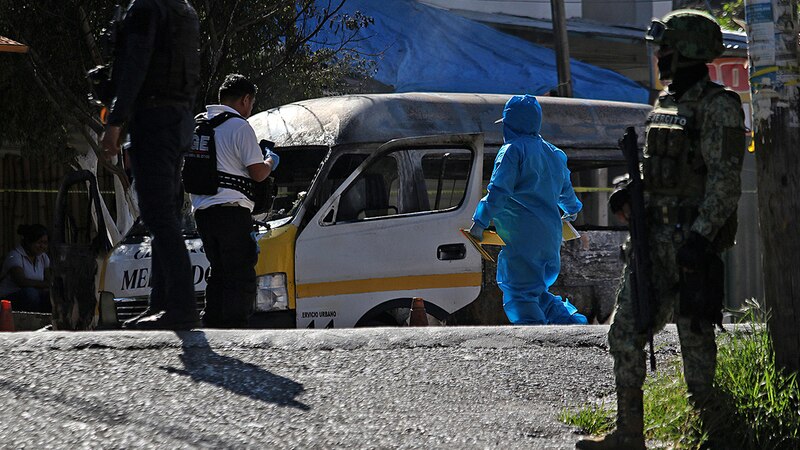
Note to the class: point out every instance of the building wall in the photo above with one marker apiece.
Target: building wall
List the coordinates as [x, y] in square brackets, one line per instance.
[537, 9]
[608, 12]
[624, 12]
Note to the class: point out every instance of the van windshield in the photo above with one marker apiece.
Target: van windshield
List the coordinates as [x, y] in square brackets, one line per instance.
[292, 180]
[290, 183]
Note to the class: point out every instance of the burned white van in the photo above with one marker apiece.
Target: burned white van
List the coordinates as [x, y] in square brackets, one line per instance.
[369, 199]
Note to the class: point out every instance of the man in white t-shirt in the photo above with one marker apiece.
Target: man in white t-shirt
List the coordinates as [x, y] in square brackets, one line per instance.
[25, 274]
[224, 219]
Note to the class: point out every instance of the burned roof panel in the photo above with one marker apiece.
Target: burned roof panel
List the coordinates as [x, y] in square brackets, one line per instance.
[378, 118]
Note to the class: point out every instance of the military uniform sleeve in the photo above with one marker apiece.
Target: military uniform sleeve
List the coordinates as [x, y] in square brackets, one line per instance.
[501, 186]
[130, 69]
[722, 146]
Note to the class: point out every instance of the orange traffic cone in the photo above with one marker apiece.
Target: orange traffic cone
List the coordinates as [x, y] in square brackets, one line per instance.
[419, 318]
[6, 318]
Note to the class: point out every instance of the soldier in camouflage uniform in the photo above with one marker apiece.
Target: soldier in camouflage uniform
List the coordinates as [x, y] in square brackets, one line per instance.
[692, 163]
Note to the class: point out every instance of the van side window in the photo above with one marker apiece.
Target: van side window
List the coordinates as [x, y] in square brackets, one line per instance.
[407, 181]
[446, 174]
[374, 193]
[345, 165]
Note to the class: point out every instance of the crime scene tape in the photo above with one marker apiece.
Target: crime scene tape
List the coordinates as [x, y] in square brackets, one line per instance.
[592, 189]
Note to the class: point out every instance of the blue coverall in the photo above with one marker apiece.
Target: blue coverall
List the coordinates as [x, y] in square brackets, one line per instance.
[529, 184]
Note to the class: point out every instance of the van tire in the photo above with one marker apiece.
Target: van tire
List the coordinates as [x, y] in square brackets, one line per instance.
[386, 314]
[384, 319]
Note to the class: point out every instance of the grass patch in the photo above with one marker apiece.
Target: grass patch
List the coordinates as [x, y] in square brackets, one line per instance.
[763, 404]
[668, 415]
[591, 418]
[758, 406]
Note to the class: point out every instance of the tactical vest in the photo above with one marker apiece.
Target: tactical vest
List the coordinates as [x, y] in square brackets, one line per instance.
[673, 166]
[174, 71]
[200, 174]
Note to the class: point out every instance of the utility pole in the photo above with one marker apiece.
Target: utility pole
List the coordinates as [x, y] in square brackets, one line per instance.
[774, 79]
[562, 48]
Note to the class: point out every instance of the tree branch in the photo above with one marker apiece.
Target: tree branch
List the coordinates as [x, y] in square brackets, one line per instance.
[94, 50]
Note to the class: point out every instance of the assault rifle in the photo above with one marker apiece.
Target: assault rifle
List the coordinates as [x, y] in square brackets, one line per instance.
[640, 265]
[100, 76]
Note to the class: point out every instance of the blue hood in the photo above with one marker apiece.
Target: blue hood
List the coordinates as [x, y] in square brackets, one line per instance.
[522, 115]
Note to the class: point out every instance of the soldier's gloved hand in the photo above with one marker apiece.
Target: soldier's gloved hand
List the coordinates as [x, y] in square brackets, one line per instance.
[694, 252]
[476, 230]
[569, 217]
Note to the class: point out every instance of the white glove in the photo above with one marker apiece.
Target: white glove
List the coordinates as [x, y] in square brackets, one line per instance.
[569, 217]
[275, 159]
[476, 230]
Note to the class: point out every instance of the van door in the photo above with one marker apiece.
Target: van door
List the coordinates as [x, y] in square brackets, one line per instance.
[390, 232]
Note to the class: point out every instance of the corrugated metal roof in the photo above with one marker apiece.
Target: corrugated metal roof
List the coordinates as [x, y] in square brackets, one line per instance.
[11, 46]
[733, 40]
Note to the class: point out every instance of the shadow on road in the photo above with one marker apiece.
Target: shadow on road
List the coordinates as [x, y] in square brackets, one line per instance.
[203, 364]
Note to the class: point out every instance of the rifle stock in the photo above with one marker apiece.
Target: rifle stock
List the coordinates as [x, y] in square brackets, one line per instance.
[640, 264]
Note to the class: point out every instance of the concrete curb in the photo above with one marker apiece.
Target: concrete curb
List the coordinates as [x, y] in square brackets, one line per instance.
[342, 339]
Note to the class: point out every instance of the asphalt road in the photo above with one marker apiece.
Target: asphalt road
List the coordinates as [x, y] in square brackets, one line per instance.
[420, 388]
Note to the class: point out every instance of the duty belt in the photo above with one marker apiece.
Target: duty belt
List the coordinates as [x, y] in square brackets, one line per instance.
[238, 183]
[670, 215]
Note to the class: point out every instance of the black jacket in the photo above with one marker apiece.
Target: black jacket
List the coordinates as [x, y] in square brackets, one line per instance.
[157, 58]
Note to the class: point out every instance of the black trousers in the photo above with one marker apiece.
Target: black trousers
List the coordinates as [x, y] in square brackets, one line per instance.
[232, 252]
[159, 138]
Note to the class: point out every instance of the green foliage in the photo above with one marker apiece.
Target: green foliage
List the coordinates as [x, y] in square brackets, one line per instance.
[765, 404]
[731, 15]
[756, 406]
[590, 419]
[271, 41]
[42, 95]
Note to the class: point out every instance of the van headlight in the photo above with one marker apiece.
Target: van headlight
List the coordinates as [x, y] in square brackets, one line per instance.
[272, 294]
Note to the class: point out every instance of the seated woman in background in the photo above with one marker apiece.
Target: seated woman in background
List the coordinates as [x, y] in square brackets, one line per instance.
[25, 276]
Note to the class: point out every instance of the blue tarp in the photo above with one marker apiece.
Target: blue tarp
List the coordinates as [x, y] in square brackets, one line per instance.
[422, 48]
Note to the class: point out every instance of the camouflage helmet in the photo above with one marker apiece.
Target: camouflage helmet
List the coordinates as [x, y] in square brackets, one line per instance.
[693, 34]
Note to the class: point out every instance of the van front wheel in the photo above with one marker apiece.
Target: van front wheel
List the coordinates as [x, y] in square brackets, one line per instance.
[384, 319]
[396, 313]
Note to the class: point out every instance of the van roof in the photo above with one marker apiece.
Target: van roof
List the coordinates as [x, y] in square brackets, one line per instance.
[578, 126]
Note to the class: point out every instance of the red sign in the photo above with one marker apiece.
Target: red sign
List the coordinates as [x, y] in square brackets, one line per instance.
[732, 72]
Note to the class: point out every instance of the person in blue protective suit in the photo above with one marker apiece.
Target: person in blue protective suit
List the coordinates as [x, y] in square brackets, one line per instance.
[529, 188]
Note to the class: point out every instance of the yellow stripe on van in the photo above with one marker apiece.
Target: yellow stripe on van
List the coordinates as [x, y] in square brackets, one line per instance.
[415, 282]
